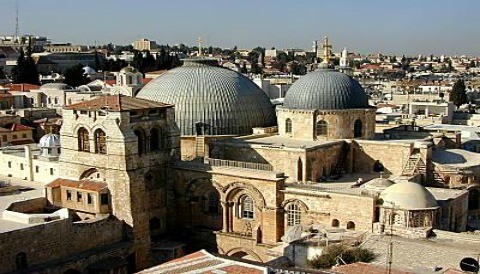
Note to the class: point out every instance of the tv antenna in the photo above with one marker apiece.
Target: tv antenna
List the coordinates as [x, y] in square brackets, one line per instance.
[16, 21]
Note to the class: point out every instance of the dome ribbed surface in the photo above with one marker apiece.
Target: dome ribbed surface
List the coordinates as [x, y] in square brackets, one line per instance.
[326, 89]
[223, 100]
[49, 140]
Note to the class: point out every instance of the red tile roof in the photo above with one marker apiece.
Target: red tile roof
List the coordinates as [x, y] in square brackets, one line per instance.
[146, 80]
[21, 87]
[117, 103]
[19, 127]
[21, 142]
[82, 184]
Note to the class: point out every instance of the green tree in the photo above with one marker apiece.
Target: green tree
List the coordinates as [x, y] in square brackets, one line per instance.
[341, 253]
[458, 94]
[26, 70]
[75, 76]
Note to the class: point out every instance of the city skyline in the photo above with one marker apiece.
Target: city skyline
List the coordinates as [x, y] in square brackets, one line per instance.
[427, 27]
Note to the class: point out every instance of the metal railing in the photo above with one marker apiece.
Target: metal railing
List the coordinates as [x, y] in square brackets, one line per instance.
[238, 164]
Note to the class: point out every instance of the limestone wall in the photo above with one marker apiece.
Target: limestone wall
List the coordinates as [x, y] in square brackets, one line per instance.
[57, 239]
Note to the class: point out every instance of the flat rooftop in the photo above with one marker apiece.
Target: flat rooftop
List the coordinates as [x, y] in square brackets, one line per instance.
[37, 190]
[276, 141]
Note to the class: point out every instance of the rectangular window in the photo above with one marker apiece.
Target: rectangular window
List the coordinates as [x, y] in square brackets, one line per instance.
[69, 195]
[4, 138]
[24, 135]
[37, 169]
[79, 196]
[51, 171]
[89, 198]
[14, 136]
[104, 199]
[21, 166]
[9, 164]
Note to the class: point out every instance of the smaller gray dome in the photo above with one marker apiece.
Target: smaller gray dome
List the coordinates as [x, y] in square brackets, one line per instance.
[49, 141]
[128, 69]
[378, 184]
[55, 86]
[326, 89]
[88, 70]
[408, 195]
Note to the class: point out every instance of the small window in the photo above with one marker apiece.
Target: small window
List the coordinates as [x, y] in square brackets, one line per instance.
[37, 169]
[51, 171]
[246, 204]
[9, 164]
[357, 129]
[288, 125]
[69, 195]
[104, 199]
[89, 198]
[321, 128]
[21, 166]
[293, 214]
[79, 196]
[24, 135]
[14, 136]
[4, 138]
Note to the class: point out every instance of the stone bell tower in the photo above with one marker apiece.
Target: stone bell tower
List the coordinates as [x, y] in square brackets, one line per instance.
[127, 143]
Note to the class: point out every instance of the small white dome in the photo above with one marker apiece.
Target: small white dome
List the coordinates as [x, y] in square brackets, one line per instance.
[56, 86]
[408, 195]
[88, 70]
[50, 141]
[378, 184]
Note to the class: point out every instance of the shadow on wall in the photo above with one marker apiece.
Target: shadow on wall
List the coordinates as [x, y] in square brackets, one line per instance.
[240, 152]
[364, 163]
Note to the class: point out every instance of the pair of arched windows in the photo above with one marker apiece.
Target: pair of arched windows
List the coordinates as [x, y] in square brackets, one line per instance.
[100, 140]
[155, 140]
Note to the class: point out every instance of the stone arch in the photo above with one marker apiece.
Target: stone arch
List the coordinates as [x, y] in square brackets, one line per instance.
[142, 139]
[302, 205]
[238, 187]
[89, 172]
[200, 186]
[244, 252]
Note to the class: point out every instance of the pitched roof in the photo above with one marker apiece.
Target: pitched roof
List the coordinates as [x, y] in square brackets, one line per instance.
[204, 262]
[21, 87]
[82, 184]
[117, 103]
[19, 127]
[21, 142]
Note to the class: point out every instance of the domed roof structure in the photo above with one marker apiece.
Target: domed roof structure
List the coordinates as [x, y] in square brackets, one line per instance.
[326, 89]
[128, 69]
[408, 195]
[378, 184]
[50, 140]
[211, 100]
[88, 70]
[56, 86]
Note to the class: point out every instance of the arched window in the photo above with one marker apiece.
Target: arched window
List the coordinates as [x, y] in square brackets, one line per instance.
[246, 207]
[100, 141]
[83, 140]
[321, 128]
[21, 261]
[335, 223]
[213, 201]
[288, 125]
[351, 225]
[140, 141]
[357, 129]
[293, 214]
[154, 139]
[55, 100]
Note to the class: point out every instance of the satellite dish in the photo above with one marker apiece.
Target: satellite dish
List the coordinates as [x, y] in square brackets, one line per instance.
[469, 265]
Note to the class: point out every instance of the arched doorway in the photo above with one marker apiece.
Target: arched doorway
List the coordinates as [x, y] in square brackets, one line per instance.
[357, 129]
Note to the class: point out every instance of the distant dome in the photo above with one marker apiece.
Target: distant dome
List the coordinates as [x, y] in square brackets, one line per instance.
[408, 195]
[378, 184]
[49, 140]
[56, 86]
[218, 100]
[88, 70]
[128, 69]
[326, 89]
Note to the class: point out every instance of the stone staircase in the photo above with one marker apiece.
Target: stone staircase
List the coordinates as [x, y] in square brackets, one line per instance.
[200, 146]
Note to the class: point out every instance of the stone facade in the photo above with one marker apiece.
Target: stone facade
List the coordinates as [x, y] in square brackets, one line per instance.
[339, 124]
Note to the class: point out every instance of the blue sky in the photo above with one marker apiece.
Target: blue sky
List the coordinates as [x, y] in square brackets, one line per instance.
[400, 26]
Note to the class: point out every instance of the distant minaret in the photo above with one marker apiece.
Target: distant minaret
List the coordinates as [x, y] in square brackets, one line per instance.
[327, 51]
[344, 59]
[200, 41]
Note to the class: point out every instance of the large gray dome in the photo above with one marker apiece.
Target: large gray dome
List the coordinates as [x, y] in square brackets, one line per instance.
[326, 89]
[211, 100]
